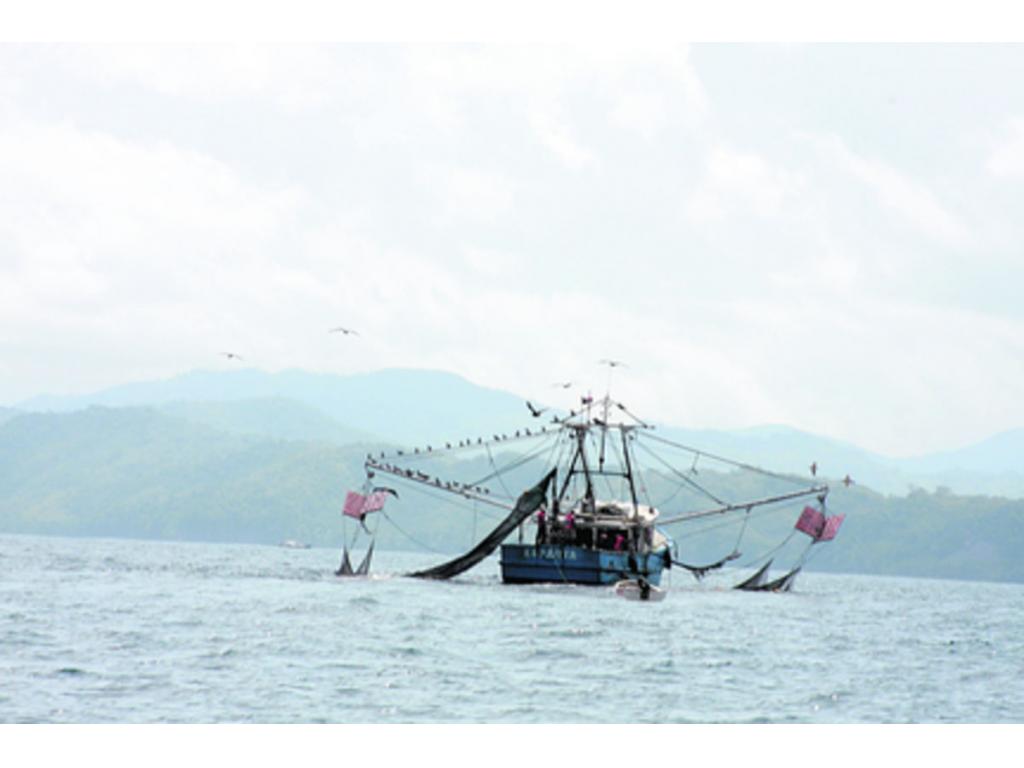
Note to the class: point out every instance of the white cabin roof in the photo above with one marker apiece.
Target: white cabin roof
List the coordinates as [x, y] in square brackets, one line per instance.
[622, 511]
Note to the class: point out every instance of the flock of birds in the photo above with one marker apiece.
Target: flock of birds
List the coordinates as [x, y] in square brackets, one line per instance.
[535, 411]
[339, 329]
[847, 481]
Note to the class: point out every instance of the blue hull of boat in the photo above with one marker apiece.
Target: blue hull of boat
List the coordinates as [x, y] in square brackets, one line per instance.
[529, 564]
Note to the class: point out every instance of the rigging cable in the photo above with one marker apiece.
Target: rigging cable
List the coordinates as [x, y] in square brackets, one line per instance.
[760, 509]
[411, 538]
[445, 498]
[684, 478]
[497, 474]
[743, 529]
[600, 473]
[416, 454]
[513, 465]
[739, 464]
[770, 552]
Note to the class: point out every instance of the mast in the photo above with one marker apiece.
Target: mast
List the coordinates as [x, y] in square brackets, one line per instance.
[568, 475]
[629, 469]
[581, 431]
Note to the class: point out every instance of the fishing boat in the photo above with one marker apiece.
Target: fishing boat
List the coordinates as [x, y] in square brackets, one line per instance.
[591, 518]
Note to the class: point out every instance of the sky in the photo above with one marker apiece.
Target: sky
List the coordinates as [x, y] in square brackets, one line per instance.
[824, 236]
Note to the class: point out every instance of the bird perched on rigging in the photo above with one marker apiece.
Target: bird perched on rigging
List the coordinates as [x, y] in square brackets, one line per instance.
[344, 331]
[534, 411]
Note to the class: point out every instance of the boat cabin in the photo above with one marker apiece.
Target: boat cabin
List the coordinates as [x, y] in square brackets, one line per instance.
[611, 526]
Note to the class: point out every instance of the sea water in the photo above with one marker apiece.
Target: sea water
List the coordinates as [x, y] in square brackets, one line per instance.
[114, 631]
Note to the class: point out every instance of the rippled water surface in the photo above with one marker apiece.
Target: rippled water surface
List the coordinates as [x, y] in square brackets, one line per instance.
[126, 631]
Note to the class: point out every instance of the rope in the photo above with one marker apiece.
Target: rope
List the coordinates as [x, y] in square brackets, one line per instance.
[514, 465]
[411, 538]
[739, 464]
[683, 477]
[446, 498]
[414, 454]
[497, 474]
[475, 509]
[763, 509]
[770, 552]
[743, 528]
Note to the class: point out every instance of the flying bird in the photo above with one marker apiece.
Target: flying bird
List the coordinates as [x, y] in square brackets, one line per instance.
[814, 468]
[231, 356]
[345, 331]
[847, 481]
[562, 384]
[612, 363]
[534, 411]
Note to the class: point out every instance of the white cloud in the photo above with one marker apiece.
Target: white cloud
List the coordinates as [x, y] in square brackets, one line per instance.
[426, 202]
[740, 183]
[125, 246]
[473, 194]
[643, 112]
[1007, 157]
[638, 87]
[893, 376]
[556, 135]
[909, 199]
[291, 75]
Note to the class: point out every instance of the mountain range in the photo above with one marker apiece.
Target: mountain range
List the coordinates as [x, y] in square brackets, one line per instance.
[410, 407]
[253, 457]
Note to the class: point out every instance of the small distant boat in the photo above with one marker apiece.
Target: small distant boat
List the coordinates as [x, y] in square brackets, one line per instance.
[639, 590]
[293, 544]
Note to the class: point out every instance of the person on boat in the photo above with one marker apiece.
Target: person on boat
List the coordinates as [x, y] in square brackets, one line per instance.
[620, 542]
[645, 588]
[569, 529]
[542, 527]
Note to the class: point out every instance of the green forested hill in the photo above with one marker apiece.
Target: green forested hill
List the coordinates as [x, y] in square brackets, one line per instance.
[274, 417]
[936, 534]
[143, 473]
[149, 473]
[140, 473]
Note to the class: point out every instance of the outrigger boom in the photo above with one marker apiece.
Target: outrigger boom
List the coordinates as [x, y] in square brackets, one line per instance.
[819, 490]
